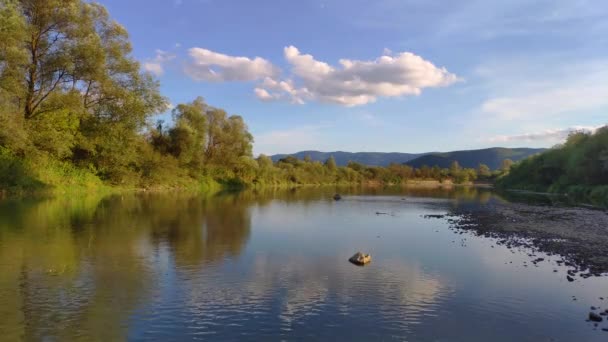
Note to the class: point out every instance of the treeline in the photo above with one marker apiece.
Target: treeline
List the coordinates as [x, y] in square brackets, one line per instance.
[578, 167]
[290, 170]
[77, 112]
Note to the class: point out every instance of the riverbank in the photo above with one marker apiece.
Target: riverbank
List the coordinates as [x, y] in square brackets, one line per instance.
[579, 235]
[59, 179]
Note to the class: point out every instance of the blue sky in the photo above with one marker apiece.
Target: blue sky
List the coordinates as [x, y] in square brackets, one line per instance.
[382, 75]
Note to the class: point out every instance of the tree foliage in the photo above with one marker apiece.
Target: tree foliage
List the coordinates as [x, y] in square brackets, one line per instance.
[579, 166]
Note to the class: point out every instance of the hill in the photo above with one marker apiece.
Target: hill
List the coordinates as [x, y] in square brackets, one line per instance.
[366, 158]
[492, 157]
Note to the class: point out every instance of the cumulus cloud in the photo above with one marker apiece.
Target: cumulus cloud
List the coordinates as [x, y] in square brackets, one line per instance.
[156, 64]
[271, 90]
[546, 135]
[210, 66]
[354, 82]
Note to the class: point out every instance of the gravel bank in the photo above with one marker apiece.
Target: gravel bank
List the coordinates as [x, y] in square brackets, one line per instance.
[579, 235]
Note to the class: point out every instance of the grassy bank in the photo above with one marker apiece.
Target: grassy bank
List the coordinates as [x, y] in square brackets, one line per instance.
[45, 176]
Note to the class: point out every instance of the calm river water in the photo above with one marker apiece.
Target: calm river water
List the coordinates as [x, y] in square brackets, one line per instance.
[273, 265]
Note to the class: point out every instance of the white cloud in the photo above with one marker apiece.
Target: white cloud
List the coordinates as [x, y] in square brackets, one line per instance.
[552, 101]
[153, 67]
[156, 64]
[532, 92]
[546, 135]
[263, 95]
[271, 90]
[212, 66]
[355, 82]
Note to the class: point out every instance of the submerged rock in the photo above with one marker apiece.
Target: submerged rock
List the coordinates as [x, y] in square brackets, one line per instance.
[337, 197]
[360, 259]
[595, 317]
[434, 216]
[570, 279]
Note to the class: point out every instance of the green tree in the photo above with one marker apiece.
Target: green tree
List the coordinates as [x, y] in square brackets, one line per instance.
[455, 169]
[484, 171]
[355, 166]
[264, 161]
[188, 137]
[506, 164]
[228, 138]
[330, 164]
[71, 88]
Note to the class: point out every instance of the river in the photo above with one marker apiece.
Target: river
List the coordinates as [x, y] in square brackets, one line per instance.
[273, 265]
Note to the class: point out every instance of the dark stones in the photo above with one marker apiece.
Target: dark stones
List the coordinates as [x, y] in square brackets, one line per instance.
[570, 279]
[595, 317]
[337, 197]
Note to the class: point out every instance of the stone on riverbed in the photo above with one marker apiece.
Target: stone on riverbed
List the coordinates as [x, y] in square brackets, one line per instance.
[595, 317]
[337, 197]
[360, 259]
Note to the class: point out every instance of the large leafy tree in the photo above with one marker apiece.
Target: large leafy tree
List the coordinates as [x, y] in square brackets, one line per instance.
[189, 135]
[69, 81]
[228, 138]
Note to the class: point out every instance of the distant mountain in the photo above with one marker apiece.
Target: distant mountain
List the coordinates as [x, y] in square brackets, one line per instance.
[492, 157]
[366, 158]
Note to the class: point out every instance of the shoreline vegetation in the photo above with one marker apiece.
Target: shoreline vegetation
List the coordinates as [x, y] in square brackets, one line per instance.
[577, 169]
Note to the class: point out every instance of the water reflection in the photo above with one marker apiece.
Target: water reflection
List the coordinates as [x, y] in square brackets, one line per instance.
[262, 264]
[81, 266]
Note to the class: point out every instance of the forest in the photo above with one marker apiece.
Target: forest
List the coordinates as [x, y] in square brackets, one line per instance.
[578, 168]
[77, 112]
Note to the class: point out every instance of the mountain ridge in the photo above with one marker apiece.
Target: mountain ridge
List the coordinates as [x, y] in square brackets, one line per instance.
[492, 157]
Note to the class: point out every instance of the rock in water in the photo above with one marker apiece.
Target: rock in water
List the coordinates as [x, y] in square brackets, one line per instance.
[337, 197]
[360, 259]
[595, 317]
